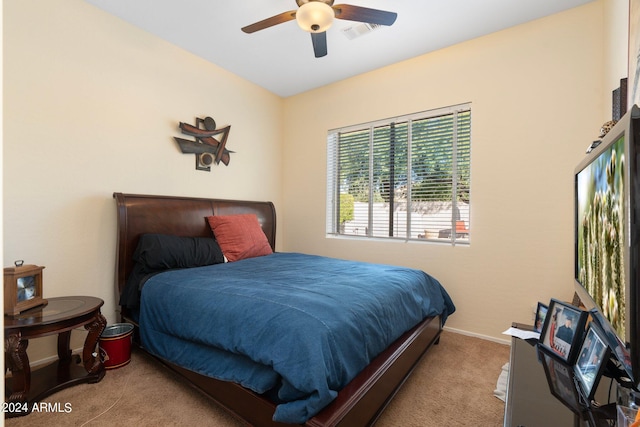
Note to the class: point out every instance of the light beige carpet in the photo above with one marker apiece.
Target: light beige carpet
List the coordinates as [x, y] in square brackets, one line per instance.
[453, 386]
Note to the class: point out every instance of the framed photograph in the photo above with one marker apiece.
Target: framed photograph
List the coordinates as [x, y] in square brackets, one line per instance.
[560, 378]
[541, 315]
[592, 359]
[563, 329]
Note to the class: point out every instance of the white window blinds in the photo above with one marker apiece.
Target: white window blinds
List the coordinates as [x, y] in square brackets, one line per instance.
[404, 178]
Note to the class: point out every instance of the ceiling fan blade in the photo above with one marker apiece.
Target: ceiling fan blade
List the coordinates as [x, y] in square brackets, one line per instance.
[364, 14]
[319, 41]
[270, 22]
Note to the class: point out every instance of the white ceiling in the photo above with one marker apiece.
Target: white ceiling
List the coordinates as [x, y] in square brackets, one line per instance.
[281, 58]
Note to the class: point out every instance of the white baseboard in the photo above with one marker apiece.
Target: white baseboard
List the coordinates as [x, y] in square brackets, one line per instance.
[506, 341]
[38, 363]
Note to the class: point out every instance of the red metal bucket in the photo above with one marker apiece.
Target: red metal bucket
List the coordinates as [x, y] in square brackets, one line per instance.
[115, 345]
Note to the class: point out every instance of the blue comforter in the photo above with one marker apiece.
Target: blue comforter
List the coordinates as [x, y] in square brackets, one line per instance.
[302, 326]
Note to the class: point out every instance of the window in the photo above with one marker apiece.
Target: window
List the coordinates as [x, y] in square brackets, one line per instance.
[402, 178]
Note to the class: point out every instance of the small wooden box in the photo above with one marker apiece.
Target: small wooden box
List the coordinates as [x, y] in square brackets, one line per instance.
[22, 288]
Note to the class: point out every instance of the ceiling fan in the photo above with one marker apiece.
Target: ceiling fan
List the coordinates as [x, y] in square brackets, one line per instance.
[316, 16]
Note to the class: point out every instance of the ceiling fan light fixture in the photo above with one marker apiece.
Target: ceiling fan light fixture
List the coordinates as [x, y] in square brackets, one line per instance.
[315, 16]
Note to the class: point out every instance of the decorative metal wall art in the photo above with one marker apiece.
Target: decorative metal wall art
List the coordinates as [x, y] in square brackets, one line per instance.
[209, 145]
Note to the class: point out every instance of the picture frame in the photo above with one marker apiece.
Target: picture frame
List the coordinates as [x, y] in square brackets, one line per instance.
[541, 315]
[592, 360]
[560, 377]
[563, 330]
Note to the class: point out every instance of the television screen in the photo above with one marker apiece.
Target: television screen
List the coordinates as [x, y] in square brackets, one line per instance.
[606, 244]
[601, 232]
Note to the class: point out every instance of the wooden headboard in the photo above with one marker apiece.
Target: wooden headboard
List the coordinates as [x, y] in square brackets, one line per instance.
[181, 216]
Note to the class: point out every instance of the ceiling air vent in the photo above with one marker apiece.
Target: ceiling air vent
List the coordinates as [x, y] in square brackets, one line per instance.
[353, 31]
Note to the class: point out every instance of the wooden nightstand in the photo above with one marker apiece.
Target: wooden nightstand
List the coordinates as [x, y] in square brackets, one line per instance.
[59, 316]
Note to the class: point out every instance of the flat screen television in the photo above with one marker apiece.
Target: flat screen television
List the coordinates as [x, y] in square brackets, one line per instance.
[607, 249]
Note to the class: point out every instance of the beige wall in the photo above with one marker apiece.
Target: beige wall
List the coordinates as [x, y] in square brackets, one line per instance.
[91, 106]
[615, 49]
[536, 94]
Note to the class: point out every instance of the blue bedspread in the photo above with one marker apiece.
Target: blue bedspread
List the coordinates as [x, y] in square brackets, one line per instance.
[301, 325]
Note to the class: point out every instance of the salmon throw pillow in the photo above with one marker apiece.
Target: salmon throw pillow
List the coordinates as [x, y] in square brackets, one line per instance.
[239, 236]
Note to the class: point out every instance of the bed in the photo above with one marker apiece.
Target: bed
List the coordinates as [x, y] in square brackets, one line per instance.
[361, 372]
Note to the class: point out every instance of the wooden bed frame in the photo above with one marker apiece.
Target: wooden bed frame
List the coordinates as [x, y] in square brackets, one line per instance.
[360, 403]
